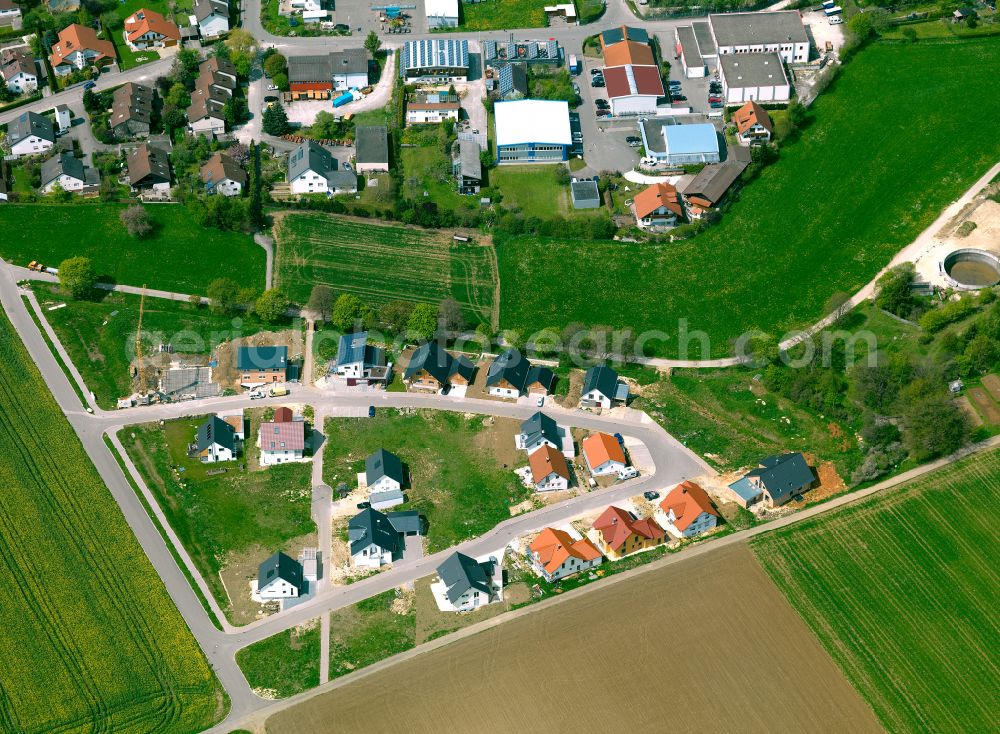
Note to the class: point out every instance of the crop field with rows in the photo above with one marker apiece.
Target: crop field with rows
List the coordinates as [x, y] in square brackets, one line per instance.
[901, 589]
[381, 263]
[91, 641]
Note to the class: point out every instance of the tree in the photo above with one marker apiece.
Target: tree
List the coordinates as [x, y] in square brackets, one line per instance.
[224, 295]
[271, 305]
[423, 321]
[281, 81]
[275, 64]
[877, 386]
[173, 119]
[932, 423]
[486, 159]
[893, 290]
[60, 195]
[373, 43]
[136, 221]
[345, 311]
[321, 301]
[77, 277]
[981, 355]
[255, 209]
[275, 121]
[241, 47]
[395, 315]
[195, 300]
[91, 101]
[860, 25]
[450, 314]
[185, 67]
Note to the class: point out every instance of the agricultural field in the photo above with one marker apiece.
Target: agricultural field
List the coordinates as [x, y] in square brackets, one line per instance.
[706, 668]
[381, 263]
[227, 522]
[99, 334]
[901, 589]
[786, 245]
[494, 15]
[454, 464]
[178, 256]
[92, 641]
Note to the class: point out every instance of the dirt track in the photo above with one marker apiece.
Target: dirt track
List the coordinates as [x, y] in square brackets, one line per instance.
[710, 645]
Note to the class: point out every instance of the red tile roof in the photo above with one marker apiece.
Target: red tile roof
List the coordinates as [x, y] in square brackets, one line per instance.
[628, 80]
[290, 436]
[143, 21]
[554, 547]
[546, 460]
[76, 37]
[688, 500]
[628, 52]
[750, 114]
[600, 447]
[282, 414]
[649, 200]
[616, 525]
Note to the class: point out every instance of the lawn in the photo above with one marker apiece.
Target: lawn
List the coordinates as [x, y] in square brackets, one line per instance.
[284, 664]
[495, 15]
[100, 334]
[532, 190]
[381, 263]
[855, 188]
[427, 168]
[179, 256]
[901, 589]
[219, 517]
[458, 484]
[128, 58]
[92, 641]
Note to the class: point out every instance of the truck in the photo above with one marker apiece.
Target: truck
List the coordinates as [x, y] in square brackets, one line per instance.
[343, 99]
[835, 10]
[574, 64]
[278, 391]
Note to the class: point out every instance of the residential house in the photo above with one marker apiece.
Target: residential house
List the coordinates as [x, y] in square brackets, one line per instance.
[282, 439]
[687, 511]
[555, 554]
[207, 112]
[383, 471]
[620, 533]
[749, 77]
[216, 441]
[602, 388]
[464, 583]
[10, 14]
[584, 193]
[359, 362]
[674, 144]
[212, 17]
[148, 29]
[532, 131]
[549, 472]
[603, 454]
[379, 538]
[223, 175]
[371, 149]
[131, 110]
[65, 170]
[30, 134]
[261, 365]
[658, 205]
[64, 117]
[149, 170]
[238, 423]
[18, 70]
[441, 13]
[753, 124]
[433, 368]
[707, 189]
[438, 60]
[280, 577]
[776, 481]
[467, 166]
[312, 169]
[221, 70]
[79, 47]
[430, 108]
[511, 375]
[780, 32]
[542, 430]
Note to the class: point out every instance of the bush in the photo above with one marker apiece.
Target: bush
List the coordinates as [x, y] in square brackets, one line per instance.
[77, 277]
[948, 313]
[136, 221]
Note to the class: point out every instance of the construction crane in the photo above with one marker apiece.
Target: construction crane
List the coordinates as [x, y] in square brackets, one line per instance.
[138, 343]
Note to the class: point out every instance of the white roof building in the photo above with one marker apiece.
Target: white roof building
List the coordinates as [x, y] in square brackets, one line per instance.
[441, 13]
[532, 130]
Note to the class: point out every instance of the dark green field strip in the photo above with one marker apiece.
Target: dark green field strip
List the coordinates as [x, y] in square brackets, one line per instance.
[901, 589]
[891, 143]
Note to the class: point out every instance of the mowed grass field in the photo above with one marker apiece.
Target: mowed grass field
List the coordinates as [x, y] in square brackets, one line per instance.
[91, 641]
[902, 591]
[891, 144]
[178, 256]
[381, 263]
[705, 645]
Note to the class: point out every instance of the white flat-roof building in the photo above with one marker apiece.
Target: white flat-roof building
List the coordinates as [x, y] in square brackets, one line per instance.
[441, 13]
[781, 32]
[753, 78]
[532, 131]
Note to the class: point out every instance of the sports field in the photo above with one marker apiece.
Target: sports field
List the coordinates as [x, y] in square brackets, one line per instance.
[706, 645]
[854, 189]
[902, 591]
[91, 641]
[381, 263]
[178, 256]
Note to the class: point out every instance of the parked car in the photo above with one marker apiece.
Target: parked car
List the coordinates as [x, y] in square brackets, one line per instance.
[90, 85]
[715, 99]
[602, 103]
[674, 83]
[272, 87]
[620, 439]
[371, 411]
[716, 105]
[270, 98]
[836, 20]
[633, 139]
[678, 98]
[596, 71]
[651, 495]
[364, 505]
[597, 82]
[604, 113]
[629, 472]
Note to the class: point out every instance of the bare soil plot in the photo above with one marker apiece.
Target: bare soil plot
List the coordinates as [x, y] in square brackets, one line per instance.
[992, 384]
[986, 405]
[966, 405]
[699, 657]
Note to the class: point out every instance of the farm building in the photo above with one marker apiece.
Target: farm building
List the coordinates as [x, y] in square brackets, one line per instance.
[620, 533]
[464, 583]
[678, 145]
[261, 365]
[687, 511]
[780, 32]
[318, 76]
[69, 172]
[603, 454]
[753, 77]
[658, 205]
[371, 146]
[555, 554]
[441, 13]
[30, 134]
[433, 368]
[753, 124]
[585, 194]
[437, 60]
[222, 175]
[280, 577]
[532, 131]
[312, 169]
[467, 166]
[358, 362]
[511, 375]
[602, 388]
[775, 482]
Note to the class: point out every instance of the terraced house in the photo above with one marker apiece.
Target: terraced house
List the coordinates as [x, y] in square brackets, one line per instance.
[433, 368]
[131, 110]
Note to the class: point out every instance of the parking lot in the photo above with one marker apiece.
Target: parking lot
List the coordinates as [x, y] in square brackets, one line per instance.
[604, 145]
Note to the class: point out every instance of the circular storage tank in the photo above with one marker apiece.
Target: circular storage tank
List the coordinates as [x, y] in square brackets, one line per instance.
[971, 269]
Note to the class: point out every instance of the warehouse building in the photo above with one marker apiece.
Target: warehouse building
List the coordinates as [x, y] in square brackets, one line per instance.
[680, 145]
[441, 13]
[753, 77]
[633, 90]
[690, 55]
[438, 60]
[780, 32]
[532, 131]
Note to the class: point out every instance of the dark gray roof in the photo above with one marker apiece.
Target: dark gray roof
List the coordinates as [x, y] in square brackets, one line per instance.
[279, 566]
[216, 430]
[585, 191]
[405, 521]
[355, 348]
[61, 163]
[310, 156]
[350, 61]
[205, 8]
[783, 475]
[511, 366]
[261, 358]
[603, 379]
[371, 144]
[712, 182]
[542, 375]
[703, 34]
[689, 46]
[541, 426]
[750, 29]
[313, 68]
[470, 164]
[383, 464]
[438, 363]
[752, 70]
[460, 573]
[371, 526]
[30, 123]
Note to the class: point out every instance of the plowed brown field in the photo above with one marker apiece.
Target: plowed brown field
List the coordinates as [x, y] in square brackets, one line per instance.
[708, 645]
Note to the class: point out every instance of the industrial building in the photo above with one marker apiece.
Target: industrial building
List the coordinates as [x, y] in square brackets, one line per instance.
[780, 32]
[532, 131]
[437, 60]
[753, 77]
[680, 145]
